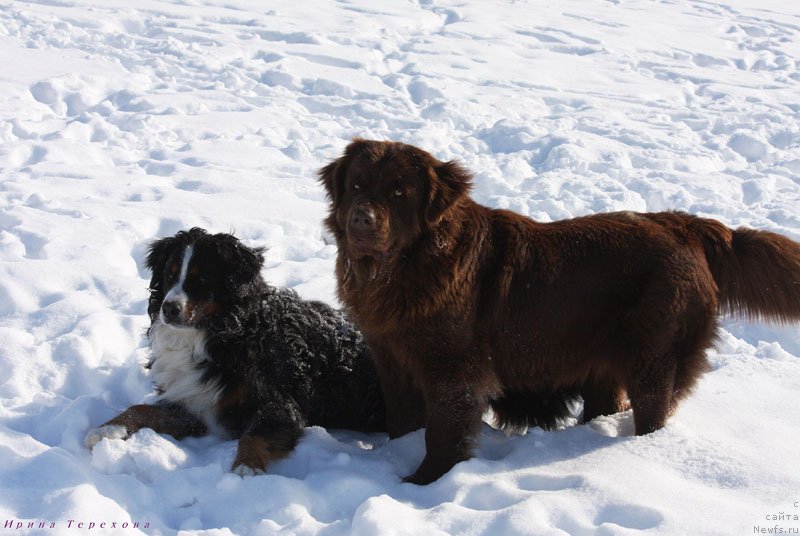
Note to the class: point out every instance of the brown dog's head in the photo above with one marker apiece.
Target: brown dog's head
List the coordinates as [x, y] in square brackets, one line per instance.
[384, 195]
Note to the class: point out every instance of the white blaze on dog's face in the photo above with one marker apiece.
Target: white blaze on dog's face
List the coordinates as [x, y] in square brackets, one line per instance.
[173, 310]
[194, 282]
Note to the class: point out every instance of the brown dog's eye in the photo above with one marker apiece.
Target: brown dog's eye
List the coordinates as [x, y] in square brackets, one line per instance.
[356, 186]
[398, 193]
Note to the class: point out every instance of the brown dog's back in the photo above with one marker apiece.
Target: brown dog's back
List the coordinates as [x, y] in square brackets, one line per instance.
[610, 298]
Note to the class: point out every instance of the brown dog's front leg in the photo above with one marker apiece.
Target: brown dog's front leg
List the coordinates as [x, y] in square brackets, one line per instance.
[165, 418]
[454, 419]
[405, 407]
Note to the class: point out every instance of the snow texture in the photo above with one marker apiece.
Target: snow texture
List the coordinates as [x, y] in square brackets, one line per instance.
[119, 124]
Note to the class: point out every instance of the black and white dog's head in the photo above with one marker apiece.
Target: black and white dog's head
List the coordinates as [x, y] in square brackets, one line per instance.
[197, 275]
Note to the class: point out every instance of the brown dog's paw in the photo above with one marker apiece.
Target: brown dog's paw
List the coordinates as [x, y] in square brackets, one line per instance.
[416, 479]
[422, 478]
[433, 468]
[428, 472]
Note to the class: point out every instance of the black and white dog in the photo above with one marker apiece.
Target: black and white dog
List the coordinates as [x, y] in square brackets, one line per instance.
[236, 357]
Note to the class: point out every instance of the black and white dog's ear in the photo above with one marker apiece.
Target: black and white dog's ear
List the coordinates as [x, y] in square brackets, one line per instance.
[251, 260]
[158, 254]
[156, 261]
[240, 264]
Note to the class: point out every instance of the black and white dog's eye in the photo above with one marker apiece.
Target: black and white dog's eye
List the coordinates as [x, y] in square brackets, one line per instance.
[398, 193]
[356, 186]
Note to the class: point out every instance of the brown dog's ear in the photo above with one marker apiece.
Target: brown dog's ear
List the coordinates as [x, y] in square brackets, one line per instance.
[332, 176]
[449, 182]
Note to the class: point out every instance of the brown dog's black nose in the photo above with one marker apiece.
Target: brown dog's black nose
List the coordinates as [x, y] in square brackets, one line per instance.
[363, 217]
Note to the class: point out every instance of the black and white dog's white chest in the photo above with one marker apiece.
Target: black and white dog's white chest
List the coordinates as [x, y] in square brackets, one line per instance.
[178, 361]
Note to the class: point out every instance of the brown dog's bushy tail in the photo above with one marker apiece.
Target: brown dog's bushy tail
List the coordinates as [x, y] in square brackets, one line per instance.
[757, 272]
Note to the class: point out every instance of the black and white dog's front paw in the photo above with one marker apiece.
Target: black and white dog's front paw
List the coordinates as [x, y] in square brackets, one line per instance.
[107, 431]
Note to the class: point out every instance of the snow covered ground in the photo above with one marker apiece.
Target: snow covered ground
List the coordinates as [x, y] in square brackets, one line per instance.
[122, 124]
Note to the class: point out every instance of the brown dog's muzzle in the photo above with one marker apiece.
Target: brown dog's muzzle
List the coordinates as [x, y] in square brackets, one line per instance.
[362, 219]
[367, 230]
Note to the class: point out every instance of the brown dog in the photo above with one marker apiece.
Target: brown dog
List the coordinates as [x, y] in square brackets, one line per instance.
[462, 304]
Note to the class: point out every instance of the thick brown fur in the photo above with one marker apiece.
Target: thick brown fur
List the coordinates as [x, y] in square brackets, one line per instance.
[463, 305]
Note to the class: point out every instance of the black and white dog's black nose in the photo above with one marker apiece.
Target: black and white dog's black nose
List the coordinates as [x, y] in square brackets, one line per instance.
[171, 311]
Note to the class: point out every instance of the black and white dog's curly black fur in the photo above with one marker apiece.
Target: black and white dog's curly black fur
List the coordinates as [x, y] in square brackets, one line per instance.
[234, 356]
